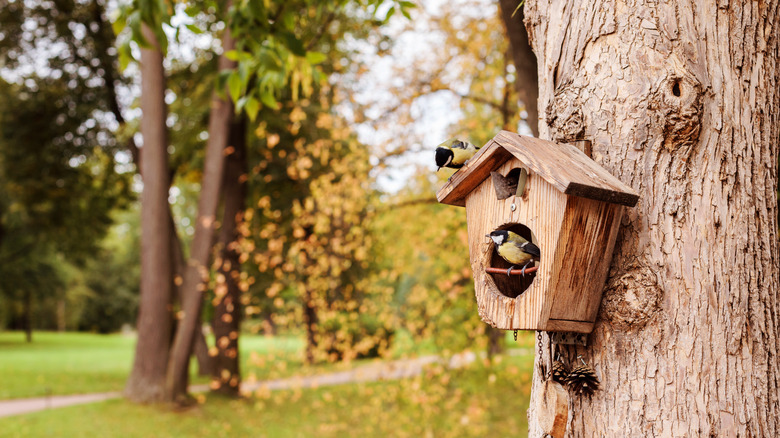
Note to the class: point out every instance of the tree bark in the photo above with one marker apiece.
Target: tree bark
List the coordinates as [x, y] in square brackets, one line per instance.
[524, 59]
[196, 271]
[310, 320]
[147, 379]
[227, 312]
[28, 315]
[681, 101]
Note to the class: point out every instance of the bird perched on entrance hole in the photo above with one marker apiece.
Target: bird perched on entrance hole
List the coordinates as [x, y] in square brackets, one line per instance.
[513, 248]
[453, 153]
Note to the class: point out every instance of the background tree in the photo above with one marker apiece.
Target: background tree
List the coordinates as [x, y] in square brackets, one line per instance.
[684, 108]
[147, 378]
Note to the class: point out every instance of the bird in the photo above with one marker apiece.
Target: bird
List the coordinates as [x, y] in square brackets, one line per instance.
[453, 153]
[515, 249]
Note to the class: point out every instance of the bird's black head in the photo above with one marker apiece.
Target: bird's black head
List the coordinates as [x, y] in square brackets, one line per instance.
[499, 236]
[444, 157]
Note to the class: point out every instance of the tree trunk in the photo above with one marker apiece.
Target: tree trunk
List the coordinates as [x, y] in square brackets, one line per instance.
[227, 312]
[147, 379]
[28, 315]
[681, 101]
[495, 342]
[527, 83]
[310, 320]
[196, 272]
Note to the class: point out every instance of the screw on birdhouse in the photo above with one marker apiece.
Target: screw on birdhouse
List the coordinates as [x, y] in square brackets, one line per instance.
[569, 338]
[513, 207]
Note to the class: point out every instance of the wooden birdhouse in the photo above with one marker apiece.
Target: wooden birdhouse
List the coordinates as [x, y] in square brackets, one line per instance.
[555, 196]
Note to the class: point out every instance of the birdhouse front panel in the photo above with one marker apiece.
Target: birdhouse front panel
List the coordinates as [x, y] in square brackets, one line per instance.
[528, 191]
[585, 243]
[498, 295]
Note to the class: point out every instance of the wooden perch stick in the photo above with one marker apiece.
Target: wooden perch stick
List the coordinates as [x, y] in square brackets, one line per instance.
[516, 271]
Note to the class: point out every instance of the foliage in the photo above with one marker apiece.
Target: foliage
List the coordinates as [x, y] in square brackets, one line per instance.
[111, 279]
[312, 169]
[58, 173]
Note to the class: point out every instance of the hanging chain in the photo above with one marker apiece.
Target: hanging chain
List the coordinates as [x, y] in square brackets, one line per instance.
[515, 334]
[539, 342]
[542, 368]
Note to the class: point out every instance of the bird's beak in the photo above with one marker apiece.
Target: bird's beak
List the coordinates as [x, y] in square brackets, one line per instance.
[487, 235]
[438, 168]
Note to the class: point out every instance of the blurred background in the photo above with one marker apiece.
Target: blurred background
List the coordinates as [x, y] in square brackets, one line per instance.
[328, 256]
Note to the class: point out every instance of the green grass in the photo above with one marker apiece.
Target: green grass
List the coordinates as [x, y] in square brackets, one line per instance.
[79, 363]
[475, 401]
[63, 363]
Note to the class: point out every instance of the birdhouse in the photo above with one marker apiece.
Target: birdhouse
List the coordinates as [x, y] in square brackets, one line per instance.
[556, 197]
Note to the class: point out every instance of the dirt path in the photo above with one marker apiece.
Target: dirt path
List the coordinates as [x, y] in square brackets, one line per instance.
[393, 370]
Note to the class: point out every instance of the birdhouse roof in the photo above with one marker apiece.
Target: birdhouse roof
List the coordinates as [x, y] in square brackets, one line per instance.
[562, 165]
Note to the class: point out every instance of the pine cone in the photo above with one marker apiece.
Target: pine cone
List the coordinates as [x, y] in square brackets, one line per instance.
[583, 380]
[560, 372]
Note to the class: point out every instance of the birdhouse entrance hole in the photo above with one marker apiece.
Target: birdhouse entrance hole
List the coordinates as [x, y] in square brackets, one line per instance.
[511, 285]
[513, 184]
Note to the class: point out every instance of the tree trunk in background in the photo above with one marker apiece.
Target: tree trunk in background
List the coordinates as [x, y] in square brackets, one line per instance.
[28, 315]
[227, 311]
[147, 379]
[196, 271]
[310, 320]
[527, 82]
[200, 348]
[681, 101]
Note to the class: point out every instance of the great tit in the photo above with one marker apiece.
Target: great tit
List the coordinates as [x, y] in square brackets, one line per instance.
[514, 248]
[453, 153]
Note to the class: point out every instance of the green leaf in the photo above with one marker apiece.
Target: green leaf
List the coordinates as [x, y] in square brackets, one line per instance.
[194, 29]
[268, 99]
[315, 58]
[390, 13]
[240, 104]
[119, 21]
[125, 55]
[293, 43]
[407, 5]
[235, 86]
[252, 107]
[233, 55]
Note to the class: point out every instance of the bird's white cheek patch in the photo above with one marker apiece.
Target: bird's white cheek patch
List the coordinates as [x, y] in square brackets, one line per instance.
[496, 239]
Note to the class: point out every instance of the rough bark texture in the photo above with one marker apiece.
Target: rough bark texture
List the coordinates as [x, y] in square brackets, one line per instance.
[524, 60]
[227, 310]
[147, 379]
[681, 102]
[196, 271]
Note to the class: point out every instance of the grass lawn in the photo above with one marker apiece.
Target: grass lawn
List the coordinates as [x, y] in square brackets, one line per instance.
[475, 401]
[78, 363]
[62, 363]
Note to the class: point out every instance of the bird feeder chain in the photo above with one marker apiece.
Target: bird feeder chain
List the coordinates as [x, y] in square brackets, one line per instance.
[515, 335]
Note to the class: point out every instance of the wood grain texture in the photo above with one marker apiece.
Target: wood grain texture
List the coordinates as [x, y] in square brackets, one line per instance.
[562, 165]
[585, 245]
[553, 406]
[542, 211]
[681, 101]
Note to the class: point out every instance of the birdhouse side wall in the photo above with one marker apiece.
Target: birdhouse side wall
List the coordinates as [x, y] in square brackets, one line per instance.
[584, 251]
[541, 210]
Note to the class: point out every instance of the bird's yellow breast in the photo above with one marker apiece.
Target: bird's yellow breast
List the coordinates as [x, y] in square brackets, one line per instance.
[461, 155]
[513, 254]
